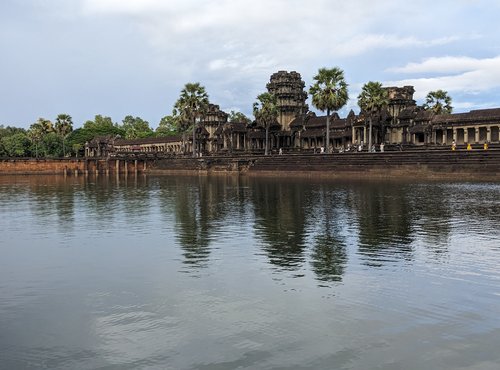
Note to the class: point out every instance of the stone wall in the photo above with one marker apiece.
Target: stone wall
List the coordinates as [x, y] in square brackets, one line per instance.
[41, 166]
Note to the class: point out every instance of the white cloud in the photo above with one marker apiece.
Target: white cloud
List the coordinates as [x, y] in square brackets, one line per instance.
[456, 74]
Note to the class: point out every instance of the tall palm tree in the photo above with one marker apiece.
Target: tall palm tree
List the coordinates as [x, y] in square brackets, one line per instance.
[439, 102]
[38, 130]
[372, 99]
[329, 93]
[63, 126]
[192, 104]
[265, 111]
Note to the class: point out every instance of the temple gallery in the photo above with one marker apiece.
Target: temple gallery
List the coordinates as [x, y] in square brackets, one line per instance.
[400, 123]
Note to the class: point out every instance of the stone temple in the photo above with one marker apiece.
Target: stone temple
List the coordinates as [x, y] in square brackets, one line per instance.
[401, 124]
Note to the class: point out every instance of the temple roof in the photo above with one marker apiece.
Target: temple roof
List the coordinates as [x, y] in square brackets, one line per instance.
[148, 140]
[472, 116]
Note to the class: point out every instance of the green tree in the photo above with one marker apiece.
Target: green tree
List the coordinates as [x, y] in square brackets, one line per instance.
[136, 127]
[329, 93]
[238, 117]
[191, 105]
[51, 145]
[16, 145]
[168, 126]
[100, 124]
[63, 127]
[37, 131]
[372, 99]
[265, 111]
[438, 102]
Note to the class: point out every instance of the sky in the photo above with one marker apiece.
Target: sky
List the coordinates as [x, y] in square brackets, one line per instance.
[133, 57]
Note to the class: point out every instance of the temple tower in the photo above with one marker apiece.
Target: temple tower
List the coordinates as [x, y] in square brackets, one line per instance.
[213, 118]
[400, 98]
[288, 88]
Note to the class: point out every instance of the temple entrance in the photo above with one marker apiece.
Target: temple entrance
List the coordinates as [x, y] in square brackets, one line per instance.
[471, 133]
[494, 134]
[449, 136]
[419, 138]
[439, 137]
[482, 134]
[460, 136]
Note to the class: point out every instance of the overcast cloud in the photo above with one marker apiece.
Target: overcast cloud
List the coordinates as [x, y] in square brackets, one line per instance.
[120, 57]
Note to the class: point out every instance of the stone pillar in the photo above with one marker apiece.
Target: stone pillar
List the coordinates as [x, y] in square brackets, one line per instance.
[466, 135]
[125, 165]
[455, 134]
[117, 166]
[364, 135]
[444, 136]
[488, 134]
[476, 138]
[135, 166]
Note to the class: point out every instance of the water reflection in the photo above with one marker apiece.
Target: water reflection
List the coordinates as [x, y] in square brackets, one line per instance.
[413, 265]
[280, 221]
[385, 220]
[329, 249]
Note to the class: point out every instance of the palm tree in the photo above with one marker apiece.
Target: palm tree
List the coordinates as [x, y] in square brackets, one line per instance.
[192, 104]
[265, 111]
[329, 93]
[38, 130]
[372, 99]
[438, 102]
[63, 126]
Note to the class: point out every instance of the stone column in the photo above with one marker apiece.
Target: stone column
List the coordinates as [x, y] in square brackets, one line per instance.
[455, 134]
[364, 135]
[476, 138]
[444, 136]
[488, 134]
[135, 166]
[466, 135]
[117, 166]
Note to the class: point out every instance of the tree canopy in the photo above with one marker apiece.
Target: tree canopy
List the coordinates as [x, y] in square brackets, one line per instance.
[329, 93]
[266, 112]
[136, 127]
[438, 102]
[192, 105]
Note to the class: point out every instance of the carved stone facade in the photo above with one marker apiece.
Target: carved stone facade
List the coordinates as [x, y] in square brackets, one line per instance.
[288, 88]
[402, 122]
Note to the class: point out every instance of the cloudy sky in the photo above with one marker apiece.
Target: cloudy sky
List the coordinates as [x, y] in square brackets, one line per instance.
[121, 57]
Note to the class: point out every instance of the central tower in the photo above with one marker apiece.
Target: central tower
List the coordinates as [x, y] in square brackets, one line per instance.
[288, 88]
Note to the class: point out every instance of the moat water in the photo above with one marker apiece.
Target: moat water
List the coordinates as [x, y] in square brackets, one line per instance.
[248, 273]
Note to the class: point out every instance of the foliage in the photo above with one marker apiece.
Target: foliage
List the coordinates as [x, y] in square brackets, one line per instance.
[51, 145]
[192, 105]
[100, 126]
[136, 127]
[238, 117]
[16, 145]
[266, 112]
[63, 126]
[373, 97]
[438, 102]
[329, 93]
[168, 126]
